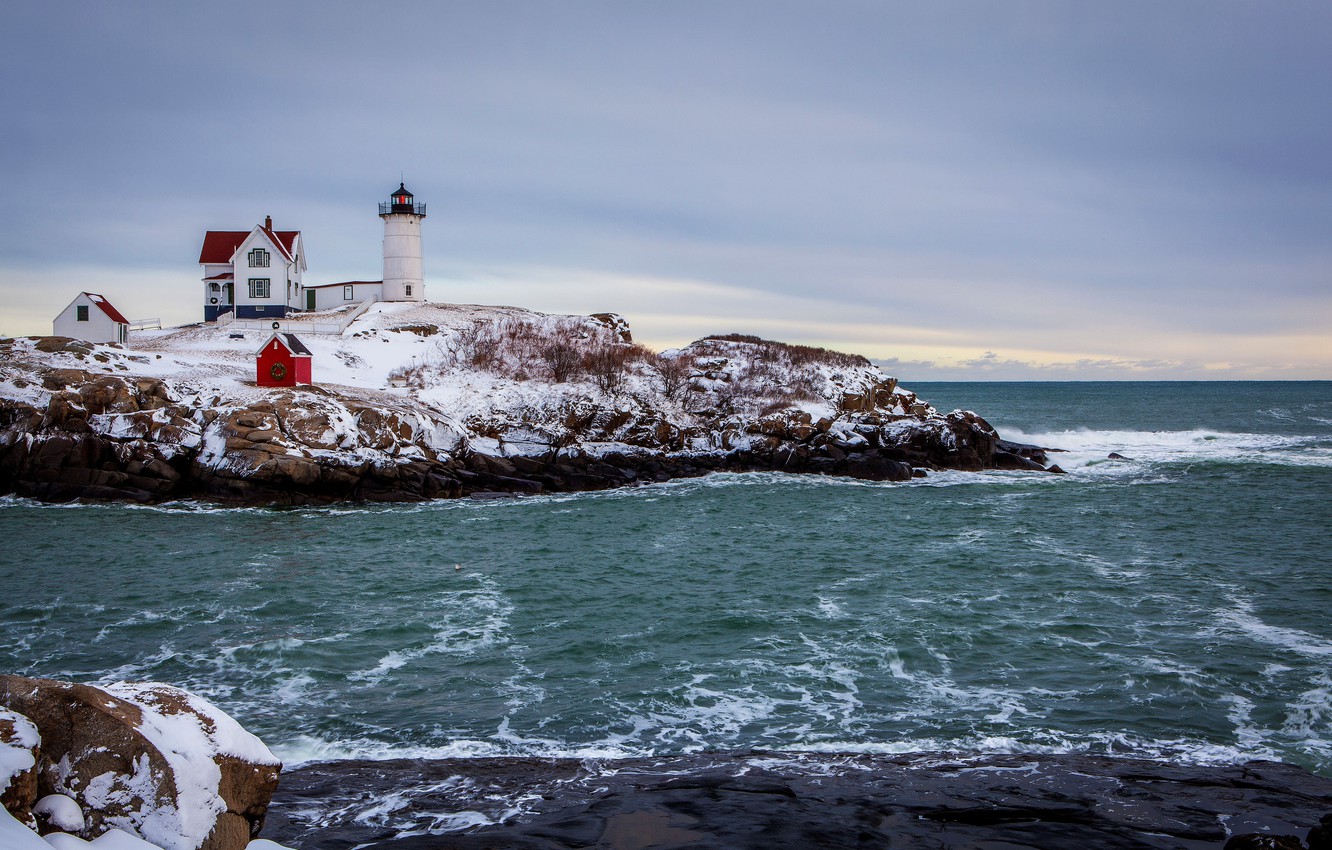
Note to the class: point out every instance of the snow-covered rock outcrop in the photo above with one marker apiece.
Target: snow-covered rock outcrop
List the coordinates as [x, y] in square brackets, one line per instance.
[149, 760]
[420, 401]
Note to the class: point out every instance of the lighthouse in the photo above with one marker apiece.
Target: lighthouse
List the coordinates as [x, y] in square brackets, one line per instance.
[404, 278]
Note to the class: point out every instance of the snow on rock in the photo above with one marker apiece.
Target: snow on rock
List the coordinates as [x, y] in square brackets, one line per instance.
[16, 836]
[114, 839]
[59, 813]
[148, 759]
[19, 747]
[421, 401]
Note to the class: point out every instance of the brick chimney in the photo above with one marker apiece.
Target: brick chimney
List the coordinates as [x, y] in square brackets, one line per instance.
[268, 222]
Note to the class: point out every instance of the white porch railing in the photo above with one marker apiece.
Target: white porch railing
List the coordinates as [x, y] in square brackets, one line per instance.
[333, 326]
[145, 324]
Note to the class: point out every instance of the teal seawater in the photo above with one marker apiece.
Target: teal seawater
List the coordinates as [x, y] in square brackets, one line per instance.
[1173, 605]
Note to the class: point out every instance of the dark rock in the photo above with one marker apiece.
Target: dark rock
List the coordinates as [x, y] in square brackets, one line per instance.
[1008, 460]
[795, 800]
[1259, 841]
[1117, 456]
[1320, 837]
[1027, 450]
[1056, 469]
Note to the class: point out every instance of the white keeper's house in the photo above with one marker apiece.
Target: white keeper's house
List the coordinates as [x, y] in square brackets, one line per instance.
[254, 273]
[258, 274]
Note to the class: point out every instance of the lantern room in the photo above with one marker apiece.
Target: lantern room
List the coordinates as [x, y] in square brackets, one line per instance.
[402, 201]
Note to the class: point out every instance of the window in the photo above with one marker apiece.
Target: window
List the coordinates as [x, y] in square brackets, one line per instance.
[258, 259]
[346, 293]
[258, 287]
[408, 289]
[82, 312]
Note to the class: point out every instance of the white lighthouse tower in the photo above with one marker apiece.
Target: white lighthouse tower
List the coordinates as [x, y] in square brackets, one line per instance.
[404, 278]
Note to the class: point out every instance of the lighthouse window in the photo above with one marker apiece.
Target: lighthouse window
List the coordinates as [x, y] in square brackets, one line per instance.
[408, 288]
[258, 287]
[346, 293]
[258, 259]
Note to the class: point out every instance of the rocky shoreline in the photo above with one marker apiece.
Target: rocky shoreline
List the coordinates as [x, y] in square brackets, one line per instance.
[764, 800]
[79, 421]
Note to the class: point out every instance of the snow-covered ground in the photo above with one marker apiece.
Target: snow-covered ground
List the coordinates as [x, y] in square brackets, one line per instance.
[497, 375]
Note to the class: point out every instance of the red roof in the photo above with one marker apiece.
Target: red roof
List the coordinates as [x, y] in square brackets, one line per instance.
[289, 342]
[222, 276]
[105, 306]
[220, 245]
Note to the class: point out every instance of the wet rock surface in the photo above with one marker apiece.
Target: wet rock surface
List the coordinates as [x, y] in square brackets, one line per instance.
[757, 800]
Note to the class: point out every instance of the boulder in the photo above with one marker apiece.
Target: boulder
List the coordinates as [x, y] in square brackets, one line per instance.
[1320, 837]
[59, 813]
[148, 759]
[1008, 460]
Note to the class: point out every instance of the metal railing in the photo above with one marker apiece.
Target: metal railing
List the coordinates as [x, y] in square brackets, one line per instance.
[145, 324]
[387, 208]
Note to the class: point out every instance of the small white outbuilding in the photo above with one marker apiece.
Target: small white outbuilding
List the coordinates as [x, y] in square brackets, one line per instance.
[91, 317]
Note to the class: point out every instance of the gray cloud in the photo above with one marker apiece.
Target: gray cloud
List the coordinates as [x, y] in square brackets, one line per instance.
[968, 168]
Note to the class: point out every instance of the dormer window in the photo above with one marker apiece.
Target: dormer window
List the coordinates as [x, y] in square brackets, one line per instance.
[258, 259]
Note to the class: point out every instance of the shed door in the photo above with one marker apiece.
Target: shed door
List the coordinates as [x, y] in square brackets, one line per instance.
[310, 299]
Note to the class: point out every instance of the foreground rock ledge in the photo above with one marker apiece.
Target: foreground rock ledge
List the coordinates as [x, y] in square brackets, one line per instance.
[149, 759]
[785, 800]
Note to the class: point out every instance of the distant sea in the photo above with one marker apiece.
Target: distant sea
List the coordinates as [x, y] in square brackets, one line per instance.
[1177, 604]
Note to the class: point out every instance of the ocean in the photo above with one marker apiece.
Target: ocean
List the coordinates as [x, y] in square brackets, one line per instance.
[1173, 605]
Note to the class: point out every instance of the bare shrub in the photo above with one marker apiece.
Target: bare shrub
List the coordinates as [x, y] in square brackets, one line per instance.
[608, 364]
[559, 350]
[673, 374]
[562, 360]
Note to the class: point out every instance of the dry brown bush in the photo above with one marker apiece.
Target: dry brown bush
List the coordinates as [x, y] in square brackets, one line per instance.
[796, 355]
[561, 350]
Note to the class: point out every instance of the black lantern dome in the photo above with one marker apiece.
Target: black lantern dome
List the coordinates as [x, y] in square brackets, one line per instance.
[402, 201]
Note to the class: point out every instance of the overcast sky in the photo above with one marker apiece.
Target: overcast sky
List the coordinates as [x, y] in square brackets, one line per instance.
[960, 190]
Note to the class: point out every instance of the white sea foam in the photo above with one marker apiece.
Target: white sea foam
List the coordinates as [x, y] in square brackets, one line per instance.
[1309, 718]
[1242, 619]
[472, 621]
[1087, 450]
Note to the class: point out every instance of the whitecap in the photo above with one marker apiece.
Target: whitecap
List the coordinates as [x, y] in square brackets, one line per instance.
[1242, 619]
[1086, 450]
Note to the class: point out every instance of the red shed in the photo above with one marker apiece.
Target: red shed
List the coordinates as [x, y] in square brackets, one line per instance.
[284, 361]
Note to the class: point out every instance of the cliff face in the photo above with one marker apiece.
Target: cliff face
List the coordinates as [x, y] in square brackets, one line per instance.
[429, 401]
